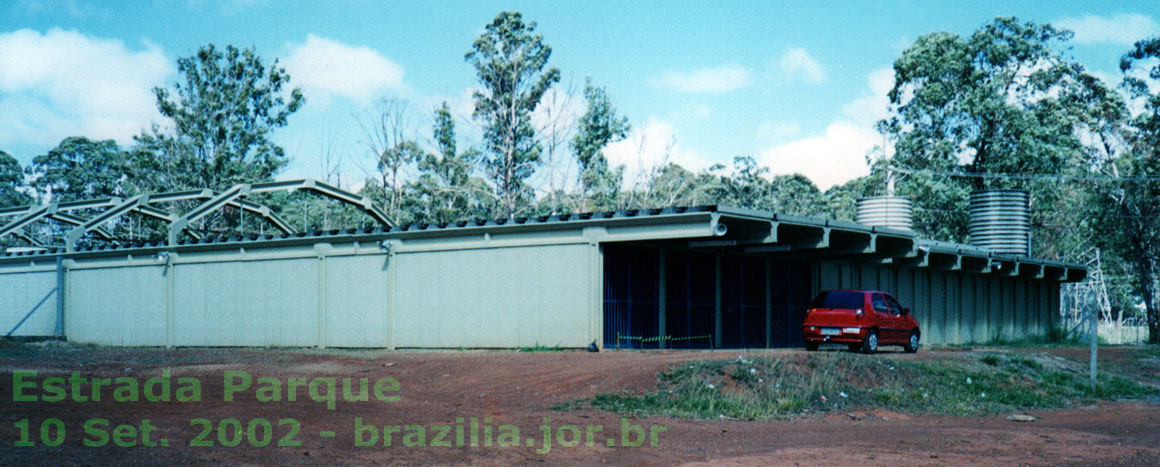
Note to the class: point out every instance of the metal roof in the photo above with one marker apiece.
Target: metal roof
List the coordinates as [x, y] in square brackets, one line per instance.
[728, 229]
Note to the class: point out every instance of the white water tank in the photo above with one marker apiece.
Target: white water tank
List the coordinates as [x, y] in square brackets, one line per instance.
[893, 212]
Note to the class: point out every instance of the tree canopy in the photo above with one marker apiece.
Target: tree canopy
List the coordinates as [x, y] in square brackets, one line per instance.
[222, 115]
[511, 64]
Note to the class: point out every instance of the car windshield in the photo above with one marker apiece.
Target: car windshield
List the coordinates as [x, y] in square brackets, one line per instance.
[837, 299]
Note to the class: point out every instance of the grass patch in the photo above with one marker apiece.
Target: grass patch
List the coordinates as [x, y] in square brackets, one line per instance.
[541, 348]
[771, 388]
[1055, 337]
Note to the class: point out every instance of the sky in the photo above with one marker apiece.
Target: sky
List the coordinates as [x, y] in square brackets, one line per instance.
[795, 85]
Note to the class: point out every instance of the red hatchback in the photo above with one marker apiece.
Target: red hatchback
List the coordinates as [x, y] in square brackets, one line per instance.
[861, 319]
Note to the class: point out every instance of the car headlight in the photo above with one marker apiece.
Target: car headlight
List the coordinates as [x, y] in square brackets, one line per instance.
[851, 330]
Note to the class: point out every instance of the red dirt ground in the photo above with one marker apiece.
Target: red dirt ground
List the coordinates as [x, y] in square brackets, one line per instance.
[520, 389]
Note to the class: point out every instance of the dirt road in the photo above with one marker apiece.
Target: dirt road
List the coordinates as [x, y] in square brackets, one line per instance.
[500, 390]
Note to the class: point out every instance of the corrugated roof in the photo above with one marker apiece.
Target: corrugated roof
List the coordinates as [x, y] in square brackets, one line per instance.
[658, 214]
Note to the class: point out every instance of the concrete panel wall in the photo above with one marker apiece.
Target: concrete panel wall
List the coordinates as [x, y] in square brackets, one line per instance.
[20, 293]
[117, 306]
[498, 297]
[247, 303]
[357, 301]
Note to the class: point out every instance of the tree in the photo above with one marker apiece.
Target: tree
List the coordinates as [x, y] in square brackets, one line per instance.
[80, 168]
[997, 103]
[510, 59]
[1135, 200]
[11, 182]
[222, 115]
[396, 152]
[599, 127]
[446, 184]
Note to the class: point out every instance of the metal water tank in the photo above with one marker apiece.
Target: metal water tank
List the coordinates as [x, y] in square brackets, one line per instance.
[1001, 221]
[893, 212]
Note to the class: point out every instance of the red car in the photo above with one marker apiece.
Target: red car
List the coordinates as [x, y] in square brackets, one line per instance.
[861, 319]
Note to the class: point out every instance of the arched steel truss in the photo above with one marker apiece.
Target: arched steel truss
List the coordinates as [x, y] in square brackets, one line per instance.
[178, 224]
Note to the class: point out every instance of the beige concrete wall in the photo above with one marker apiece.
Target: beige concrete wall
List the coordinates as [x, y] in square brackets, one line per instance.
[423, 294]
[499, 297]
[21, 289]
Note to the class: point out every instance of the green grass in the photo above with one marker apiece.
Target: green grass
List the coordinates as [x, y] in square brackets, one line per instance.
[541, 348]
[772, 388]
[1055, 337]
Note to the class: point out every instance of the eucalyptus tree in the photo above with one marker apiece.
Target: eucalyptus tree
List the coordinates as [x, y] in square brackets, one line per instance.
[221, 115]
[511, 64]
[992, 110]
[598, 127]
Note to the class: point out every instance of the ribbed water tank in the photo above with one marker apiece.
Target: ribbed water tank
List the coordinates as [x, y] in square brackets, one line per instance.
[1001, 221]
[893, 212]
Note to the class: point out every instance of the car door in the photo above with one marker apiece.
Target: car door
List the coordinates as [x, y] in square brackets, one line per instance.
[882, 317]
[899, 328]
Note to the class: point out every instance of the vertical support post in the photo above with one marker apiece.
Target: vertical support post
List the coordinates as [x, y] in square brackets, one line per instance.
[321, 301]
[596, 294]
[1095, 338]
[768, 304]
[59, 331]
[717, 298]
[392, 294]
[169, 299]
[662, 294]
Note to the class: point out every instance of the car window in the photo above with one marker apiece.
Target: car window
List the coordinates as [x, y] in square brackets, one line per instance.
[838, 299]
[879, 304]
[894, 306]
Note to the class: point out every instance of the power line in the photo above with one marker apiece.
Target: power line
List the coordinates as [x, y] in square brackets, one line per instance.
[1085, 178]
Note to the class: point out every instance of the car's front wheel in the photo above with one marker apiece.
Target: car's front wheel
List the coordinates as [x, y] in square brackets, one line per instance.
[870, 344]
[912, 343]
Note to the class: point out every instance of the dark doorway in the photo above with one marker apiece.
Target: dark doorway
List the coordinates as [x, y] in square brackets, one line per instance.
[759, 297]
[743, 302]
[690, 299]
[631, 295]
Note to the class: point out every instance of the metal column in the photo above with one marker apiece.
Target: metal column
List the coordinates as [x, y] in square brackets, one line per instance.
[662, 312]
[717, 297]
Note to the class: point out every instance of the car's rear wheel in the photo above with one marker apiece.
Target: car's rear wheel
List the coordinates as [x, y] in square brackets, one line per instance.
[912, 343]
[870, 344]
[811, 346]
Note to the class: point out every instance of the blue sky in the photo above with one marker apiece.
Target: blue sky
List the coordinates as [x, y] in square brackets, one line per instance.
[796, 85]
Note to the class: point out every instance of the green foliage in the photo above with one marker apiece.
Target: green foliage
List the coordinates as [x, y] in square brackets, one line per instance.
[222, 116]
[1002, 101]
[765, 388]
[510, 61]
[446, 187]
[80, 168]
[11, 182]
[598, 127]
[1133, 206]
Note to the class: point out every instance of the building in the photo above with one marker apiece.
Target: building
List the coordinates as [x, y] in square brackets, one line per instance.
[695, 277]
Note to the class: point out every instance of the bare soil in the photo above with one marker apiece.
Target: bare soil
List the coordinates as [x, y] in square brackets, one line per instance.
[520, 389]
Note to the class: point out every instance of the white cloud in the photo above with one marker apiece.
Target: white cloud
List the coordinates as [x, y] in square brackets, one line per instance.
[63, 83]
[829, 159]
[324, 68]
[872, 106]
[649, 146]
[797, 64]
[705, 80]
[839, 153]
[1116, 29]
